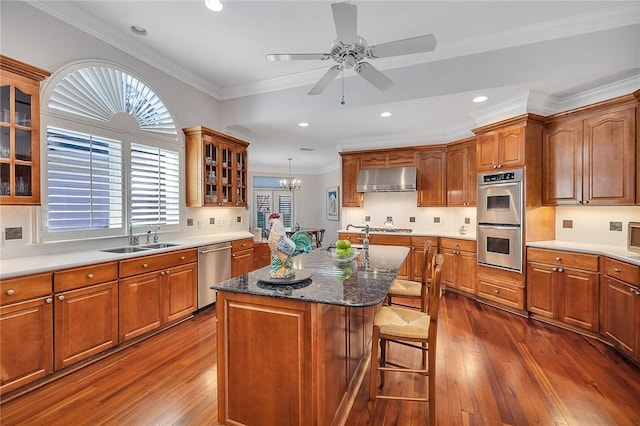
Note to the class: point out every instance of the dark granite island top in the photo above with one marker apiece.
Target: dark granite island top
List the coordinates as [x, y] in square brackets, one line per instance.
[358, 283]
[297, 354]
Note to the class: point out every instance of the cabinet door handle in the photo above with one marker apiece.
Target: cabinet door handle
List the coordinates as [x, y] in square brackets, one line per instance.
[48, 300]
[560, 269]
[90, 276]
[554, 269]
[168, 271]
[61, 297]
[162, 273]
[11, 292]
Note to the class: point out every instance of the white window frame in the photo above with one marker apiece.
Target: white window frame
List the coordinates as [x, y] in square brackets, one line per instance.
[114, 130]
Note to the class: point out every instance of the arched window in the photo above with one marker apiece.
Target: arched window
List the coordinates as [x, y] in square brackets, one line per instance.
[112, 157]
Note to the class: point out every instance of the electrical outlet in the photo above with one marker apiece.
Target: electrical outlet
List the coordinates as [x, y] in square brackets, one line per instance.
[212, 221]
[567, 224]
[239, 219]
[615, 226]
[189, 222]
[389, 219]
[412, 219]
[13, 233]
[467, 220]
[436, 219]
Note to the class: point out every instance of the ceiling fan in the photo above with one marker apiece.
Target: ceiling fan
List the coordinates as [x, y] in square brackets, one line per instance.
[349, 51]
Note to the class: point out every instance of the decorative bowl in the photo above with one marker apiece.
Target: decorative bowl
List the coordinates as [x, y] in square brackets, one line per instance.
[346, 259]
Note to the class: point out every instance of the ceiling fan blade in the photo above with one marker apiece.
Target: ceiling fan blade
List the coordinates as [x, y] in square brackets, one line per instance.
[345, 18]
[373, 76]
[407, 46]
[275, 57]
[325, 80]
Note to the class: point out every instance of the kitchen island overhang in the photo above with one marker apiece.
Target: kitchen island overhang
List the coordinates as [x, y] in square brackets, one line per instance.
[297, 354]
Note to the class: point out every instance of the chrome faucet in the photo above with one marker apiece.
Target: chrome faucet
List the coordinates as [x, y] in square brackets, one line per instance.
[148, 241]
[365, 241]
[155, 234]
[134, 240]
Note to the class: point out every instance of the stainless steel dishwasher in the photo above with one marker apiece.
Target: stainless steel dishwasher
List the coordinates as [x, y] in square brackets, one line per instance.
[214, 266]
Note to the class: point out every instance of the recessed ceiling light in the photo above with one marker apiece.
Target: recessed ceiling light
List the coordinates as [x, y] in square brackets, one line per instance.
[138, 30]
[303, 124]
[385, 114]
[215, 5]
[479, 99]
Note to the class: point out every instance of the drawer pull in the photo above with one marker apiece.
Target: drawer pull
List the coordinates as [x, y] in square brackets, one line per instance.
[48, 300]
[61, 297]
[182, 257]
[558, 259]
[554, 269]
[496, 291]
[617, 270]
[11, 292]
[560, 269]
[90, 276]
[145, 265]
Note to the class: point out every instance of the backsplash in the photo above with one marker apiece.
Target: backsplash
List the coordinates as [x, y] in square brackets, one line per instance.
[592, 224]
[401, 206]
[225, 220]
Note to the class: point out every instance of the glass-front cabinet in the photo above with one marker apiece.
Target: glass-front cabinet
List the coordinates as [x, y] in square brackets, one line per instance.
[216, 168]
[19, 132]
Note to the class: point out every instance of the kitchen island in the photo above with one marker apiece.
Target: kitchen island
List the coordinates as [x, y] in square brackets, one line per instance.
[297, 354]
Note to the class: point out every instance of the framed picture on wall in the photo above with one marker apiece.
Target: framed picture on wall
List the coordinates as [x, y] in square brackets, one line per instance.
[333, 203]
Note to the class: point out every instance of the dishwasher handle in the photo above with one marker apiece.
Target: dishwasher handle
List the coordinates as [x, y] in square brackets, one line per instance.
[213, 250]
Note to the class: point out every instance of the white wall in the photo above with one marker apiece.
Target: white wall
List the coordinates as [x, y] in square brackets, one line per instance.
[591, 224]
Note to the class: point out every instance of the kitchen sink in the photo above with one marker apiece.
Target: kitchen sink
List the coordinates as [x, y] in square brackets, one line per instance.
[160, 245]
[128, 249]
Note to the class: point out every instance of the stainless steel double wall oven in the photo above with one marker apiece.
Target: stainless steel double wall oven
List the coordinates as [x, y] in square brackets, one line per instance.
[500, 205]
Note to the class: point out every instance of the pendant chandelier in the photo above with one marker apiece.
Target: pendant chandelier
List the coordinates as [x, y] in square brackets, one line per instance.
[290, 183]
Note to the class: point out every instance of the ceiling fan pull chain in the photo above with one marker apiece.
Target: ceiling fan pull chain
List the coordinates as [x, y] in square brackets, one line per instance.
[342, 101]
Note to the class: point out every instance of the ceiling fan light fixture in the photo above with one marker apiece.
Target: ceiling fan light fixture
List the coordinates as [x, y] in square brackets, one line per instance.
[479, 99]
[214, 5]
[385, 114]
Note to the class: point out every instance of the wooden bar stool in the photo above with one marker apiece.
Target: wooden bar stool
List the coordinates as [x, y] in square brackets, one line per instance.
[408, 289]
[411, 328]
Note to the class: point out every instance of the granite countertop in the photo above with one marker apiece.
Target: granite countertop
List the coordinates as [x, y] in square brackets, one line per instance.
[614, 252]
[470, 235]
[367, 282]
[20, 266]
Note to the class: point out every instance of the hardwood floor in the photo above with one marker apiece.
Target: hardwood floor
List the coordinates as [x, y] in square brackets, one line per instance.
[494, 368]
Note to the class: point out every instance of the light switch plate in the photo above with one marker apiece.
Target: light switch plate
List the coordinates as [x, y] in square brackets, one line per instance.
[189, 222]
[436, 219]
[467, 220]
[367, 218]
[239, 219]
[412, 219]
[212, 221]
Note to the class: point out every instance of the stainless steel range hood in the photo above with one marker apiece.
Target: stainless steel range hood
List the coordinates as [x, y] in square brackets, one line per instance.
[394, 179]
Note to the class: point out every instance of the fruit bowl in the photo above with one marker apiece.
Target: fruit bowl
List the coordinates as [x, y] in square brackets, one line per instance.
[336, 255]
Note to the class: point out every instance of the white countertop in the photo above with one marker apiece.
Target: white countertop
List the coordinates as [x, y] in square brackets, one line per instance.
[46, 263]
[614, 252]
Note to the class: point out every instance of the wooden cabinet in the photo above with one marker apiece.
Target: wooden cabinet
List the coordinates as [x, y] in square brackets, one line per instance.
[353, 238]
[590, 158]
[388, 158]
[26, 330]
[563, 286]
[459, 268]
[86, 312]
[505, 288]
[417, 255]
[156, 290]
[241, 256]
[620, 313]
[461, 174]
[19, 132]
[216, 168]
[502, 148]
[261, 255]
[432, 175]
[350, 172]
